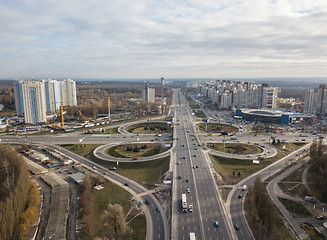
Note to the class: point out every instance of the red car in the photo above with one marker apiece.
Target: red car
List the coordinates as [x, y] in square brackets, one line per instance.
[135, 158]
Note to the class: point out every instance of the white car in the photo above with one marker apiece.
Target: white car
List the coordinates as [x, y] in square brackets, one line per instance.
[190, 208]
[188, 190]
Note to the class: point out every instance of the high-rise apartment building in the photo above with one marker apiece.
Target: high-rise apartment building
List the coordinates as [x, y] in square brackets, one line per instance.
[35, 98]
[52, 94]
[19, 102]
[68, 92]
[315, 101]
[309, 102]
[229, 94]
[34, 102]
[148, 94]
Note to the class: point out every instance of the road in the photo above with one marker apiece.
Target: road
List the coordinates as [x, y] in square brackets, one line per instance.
[236, 205]
[157, 221]
[203, 195]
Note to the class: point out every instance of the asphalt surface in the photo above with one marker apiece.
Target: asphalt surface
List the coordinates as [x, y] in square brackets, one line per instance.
[203, 193]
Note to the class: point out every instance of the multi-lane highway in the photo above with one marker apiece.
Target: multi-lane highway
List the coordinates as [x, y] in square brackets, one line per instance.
[192, 171]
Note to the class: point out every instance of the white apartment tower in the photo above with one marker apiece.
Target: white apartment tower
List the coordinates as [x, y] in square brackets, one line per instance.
[68, 92]
[34, 102]
[34, 99]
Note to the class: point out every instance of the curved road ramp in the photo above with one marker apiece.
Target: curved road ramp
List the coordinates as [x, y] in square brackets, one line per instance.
[56, 227]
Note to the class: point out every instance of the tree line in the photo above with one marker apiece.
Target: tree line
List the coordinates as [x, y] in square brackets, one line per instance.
[19, 196]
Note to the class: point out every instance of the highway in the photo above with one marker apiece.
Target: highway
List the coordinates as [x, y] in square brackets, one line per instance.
[203, 194]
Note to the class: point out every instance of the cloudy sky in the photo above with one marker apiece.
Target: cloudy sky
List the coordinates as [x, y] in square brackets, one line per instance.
[174, 38]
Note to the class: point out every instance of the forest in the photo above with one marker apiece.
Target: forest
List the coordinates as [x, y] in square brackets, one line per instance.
[19, 196]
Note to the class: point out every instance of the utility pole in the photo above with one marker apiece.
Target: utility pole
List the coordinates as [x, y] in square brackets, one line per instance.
[109, 108]
[62, 115]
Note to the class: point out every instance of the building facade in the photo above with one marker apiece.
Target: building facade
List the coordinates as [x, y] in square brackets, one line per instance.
[34, 102]
[236, 94]
[34, 99]
[149, 94]
[315, 101]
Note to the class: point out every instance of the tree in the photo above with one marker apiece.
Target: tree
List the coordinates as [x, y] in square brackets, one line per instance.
[87, 203]
[114, 224]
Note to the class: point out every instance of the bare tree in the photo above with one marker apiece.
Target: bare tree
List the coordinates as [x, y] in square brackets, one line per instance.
[114, 224]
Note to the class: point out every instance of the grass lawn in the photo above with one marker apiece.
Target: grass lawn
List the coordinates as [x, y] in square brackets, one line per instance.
[108, 131]
[279, 230]
[296, 209]
[312, 232]
[236, 148]
[227, 166]
[80, 149]
[136, 150]
[149, 128]
[115, 194]
[145, 173]
[194, 106]
[217, 128]
[199, 113]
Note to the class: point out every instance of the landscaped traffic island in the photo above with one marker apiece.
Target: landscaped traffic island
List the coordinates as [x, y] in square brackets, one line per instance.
[216, 128]
[236, 148]
[136, 150]
[150, 128]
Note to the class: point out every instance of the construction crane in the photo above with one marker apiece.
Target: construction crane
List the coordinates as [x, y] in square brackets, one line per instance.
[62, 110]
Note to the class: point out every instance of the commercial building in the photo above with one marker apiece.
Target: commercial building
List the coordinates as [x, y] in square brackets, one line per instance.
[148, 94]
[273, 116]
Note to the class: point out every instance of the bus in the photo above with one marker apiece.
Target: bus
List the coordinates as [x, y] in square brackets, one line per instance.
[184, 203]
[192, 236]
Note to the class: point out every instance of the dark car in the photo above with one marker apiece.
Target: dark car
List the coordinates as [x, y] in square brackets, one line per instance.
[157, 210]
[147, 202]
[236, 227]
[179, 177]
[240, 196]
[126, 184]
[187, 180]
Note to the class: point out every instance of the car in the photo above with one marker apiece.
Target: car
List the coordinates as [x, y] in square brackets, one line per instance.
[216, 223]
[249, 155]
[236, 226]
[124, 136]
[135, 158]
[183, 157]
[188, 190]
[179, 177]
[321, 217]
[126, 184]
[157, 210]
[147, 202]
[194, 155]
[183, 145]
[190, 208]
[194, 166]
[239, 196]
[195, 148]
[187, 180]
[179, 163]
[94, 167]
[113, 168]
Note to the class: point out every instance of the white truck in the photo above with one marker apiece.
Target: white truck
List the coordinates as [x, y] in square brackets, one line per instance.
[184, 203]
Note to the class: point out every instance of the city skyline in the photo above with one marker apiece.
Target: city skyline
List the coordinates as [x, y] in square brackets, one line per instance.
[147, 39]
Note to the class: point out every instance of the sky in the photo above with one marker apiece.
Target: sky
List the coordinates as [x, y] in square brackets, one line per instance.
[171, 38]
